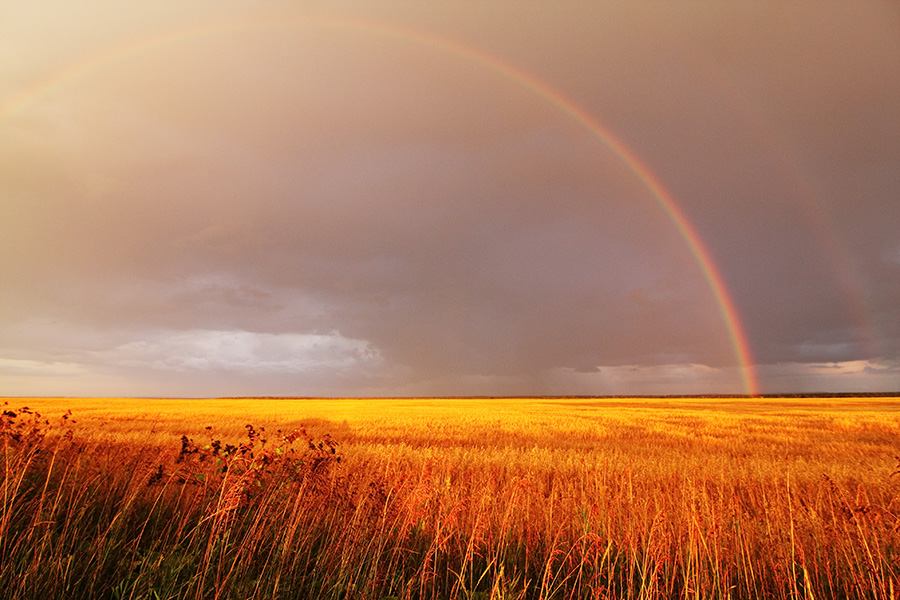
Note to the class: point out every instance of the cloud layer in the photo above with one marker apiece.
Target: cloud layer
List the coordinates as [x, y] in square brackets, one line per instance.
[258, 201]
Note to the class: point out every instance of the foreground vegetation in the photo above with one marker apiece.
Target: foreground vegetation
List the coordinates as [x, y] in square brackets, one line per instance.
[438, 498]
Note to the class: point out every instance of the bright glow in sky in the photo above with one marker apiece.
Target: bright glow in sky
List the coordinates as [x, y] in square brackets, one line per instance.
[223, 198]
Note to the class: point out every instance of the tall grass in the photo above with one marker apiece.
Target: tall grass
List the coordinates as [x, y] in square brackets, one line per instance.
[528, 500]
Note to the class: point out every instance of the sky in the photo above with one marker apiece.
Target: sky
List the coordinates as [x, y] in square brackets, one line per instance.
[449, 198]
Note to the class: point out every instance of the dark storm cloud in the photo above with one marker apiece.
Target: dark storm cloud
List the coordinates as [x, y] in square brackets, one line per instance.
[781, 142]
[336, 212]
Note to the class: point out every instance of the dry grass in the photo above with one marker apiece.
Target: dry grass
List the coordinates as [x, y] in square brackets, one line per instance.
[450, 498]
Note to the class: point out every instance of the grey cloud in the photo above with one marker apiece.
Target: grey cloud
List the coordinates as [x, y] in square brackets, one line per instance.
[454, 223]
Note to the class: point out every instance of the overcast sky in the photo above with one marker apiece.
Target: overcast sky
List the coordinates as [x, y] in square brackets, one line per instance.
[248, 198]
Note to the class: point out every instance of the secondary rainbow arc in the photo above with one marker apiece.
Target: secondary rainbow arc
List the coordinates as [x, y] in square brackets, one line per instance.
[737, 335]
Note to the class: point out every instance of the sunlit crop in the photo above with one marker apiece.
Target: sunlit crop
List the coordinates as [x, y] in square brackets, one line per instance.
[450, 498]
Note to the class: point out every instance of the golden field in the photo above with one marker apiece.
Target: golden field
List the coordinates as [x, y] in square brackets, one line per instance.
[450, 498]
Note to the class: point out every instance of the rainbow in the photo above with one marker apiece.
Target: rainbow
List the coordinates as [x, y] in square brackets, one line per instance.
[713, 277]
[781, 150]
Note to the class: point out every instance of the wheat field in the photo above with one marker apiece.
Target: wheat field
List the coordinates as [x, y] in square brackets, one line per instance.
[450, 498]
